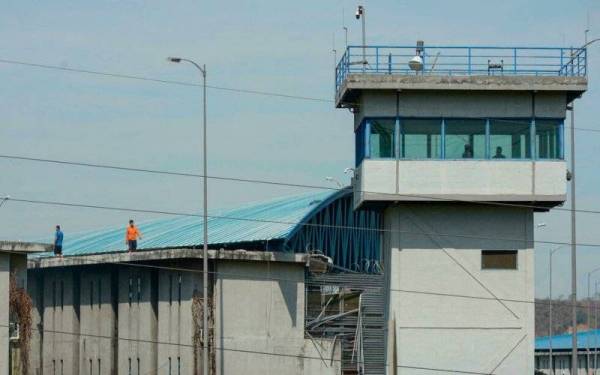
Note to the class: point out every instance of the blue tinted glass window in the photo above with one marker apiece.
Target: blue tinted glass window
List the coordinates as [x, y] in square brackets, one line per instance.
[359, 144]
[421, 138]
[465, 139]
[382, 138]
[548, 139]
[510, 139]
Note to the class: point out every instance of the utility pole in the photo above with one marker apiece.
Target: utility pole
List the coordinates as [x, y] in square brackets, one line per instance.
[573, 248]
[589, 316]
[205, 358]
[550, 327]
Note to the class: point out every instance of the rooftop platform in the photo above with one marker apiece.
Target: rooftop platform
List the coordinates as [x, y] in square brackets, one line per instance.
[461, 68]
[24, 247]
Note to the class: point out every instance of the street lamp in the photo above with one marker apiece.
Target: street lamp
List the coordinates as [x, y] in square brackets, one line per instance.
[550, 328]
[335, 181]
[202, 69]
[4, 199]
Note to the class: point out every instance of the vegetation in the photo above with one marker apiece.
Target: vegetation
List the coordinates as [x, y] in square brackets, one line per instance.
[561, 316]
[20, 310]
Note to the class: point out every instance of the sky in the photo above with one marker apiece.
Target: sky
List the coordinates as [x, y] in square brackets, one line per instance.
[283, 47]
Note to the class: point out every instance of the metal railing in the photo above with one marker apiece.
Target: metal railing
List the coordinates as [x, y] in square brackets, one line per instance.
[463, 61]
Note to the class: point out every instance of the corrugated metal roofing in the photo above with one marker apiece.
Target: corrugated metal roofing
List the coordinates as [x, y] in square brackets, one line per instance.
[589, 338]
[272, 220]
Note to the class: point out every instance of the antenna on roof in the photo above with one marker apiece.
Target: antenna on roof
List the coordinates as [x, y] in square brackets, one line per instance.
[587, 26]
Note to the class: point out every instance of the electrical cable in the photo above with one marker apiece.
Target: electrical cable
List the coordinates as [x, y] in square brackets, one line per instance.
[295, 281]
[243, 351]
[304, 224]
[165, 81]
[280, 183]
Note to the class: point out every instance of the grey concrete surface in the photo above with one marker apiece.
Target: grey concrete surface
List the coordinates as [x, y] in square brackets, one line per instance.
[540, 182]
[346, 95]
[164, 254]
[437, 329]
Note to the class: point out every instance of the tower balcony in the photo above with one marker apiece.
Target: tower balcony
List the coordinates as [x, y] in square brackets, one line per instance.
[483, 68]
[466, 159]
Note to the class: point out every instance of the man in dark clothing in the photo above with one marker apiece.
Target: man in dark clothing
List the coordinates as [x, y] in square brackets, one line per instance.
[58, 241]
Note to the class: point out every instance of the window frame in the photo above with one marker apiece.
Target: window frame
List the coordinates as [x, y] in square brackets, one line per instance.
[486, 135]
[363, 141]
[509, 251]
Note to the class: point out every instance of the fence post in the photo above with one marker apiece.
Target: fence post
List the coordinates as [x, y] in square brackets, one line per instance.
[515, 61]
[571, 62]
[469, 53]
[390, 63]
[377, 59]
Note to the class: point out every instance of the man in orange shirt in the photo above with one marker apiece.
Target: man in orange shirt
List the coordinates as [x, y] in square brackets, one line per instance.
[131, 236]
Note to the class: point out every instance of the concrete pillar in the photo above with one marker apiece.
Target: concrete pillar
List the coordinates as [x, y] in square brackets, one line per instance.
[4, 312]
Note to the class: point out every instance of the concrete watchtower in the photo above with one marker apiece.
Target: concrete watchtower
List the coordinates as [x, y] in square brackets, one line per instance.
[459, 146]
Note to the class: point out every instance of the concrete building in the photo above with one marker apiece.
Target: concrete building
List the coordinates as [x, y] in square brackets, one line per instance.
[459, 146]
[282, 297]
[13, 269]
[588, 348]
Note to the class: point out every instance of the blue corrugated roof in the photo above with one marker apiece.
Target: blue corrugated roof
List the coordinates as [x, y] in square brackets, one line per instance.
[589, 338]
[272, 220]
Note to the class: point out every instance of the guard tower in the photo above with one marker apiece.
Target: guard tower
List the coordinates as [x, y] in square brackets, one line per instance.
[459, 146]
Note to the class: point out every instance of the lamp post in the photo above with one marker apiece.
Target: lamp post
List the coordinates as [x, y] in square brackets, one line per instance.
[589, 317]
[550, 328]
[596, 330]
[205, 359]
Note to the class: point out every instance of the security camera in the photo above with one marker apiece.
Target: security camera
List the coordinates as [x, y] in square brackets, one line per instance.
[359, 11]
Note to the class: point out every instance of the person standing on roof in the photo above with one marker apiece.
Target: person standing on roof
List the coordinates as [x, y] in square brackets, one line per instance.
[131, 236]
[58, 240]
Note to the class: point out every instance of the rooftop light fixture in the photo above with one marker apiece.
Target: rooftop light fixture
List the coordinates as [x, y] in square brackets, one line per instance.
[416, 63]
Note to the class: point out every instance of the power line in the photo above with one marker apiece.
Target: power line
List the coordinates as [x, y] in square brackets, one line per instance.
[242, 351]
[164, 81]
[184, 83]
[270, 278]
[306, 224]
[280, 183]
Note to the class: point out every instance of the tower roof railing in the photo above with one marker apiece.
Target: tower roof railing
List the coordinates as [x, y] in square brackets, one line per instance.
[462, 61]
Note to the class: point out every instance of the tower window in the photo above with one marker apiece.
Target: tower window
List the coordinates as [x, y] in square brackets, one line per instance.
[499, 259]
[382, 138]
[421, 138]
[465, 139]
[510, 139]
[548, 139]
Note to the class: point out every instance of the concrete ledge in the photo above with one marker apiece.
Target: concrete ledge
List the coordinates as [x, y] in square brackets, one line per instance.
[465, 180]
[165, 254]
[24, 247]
[575, 86]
